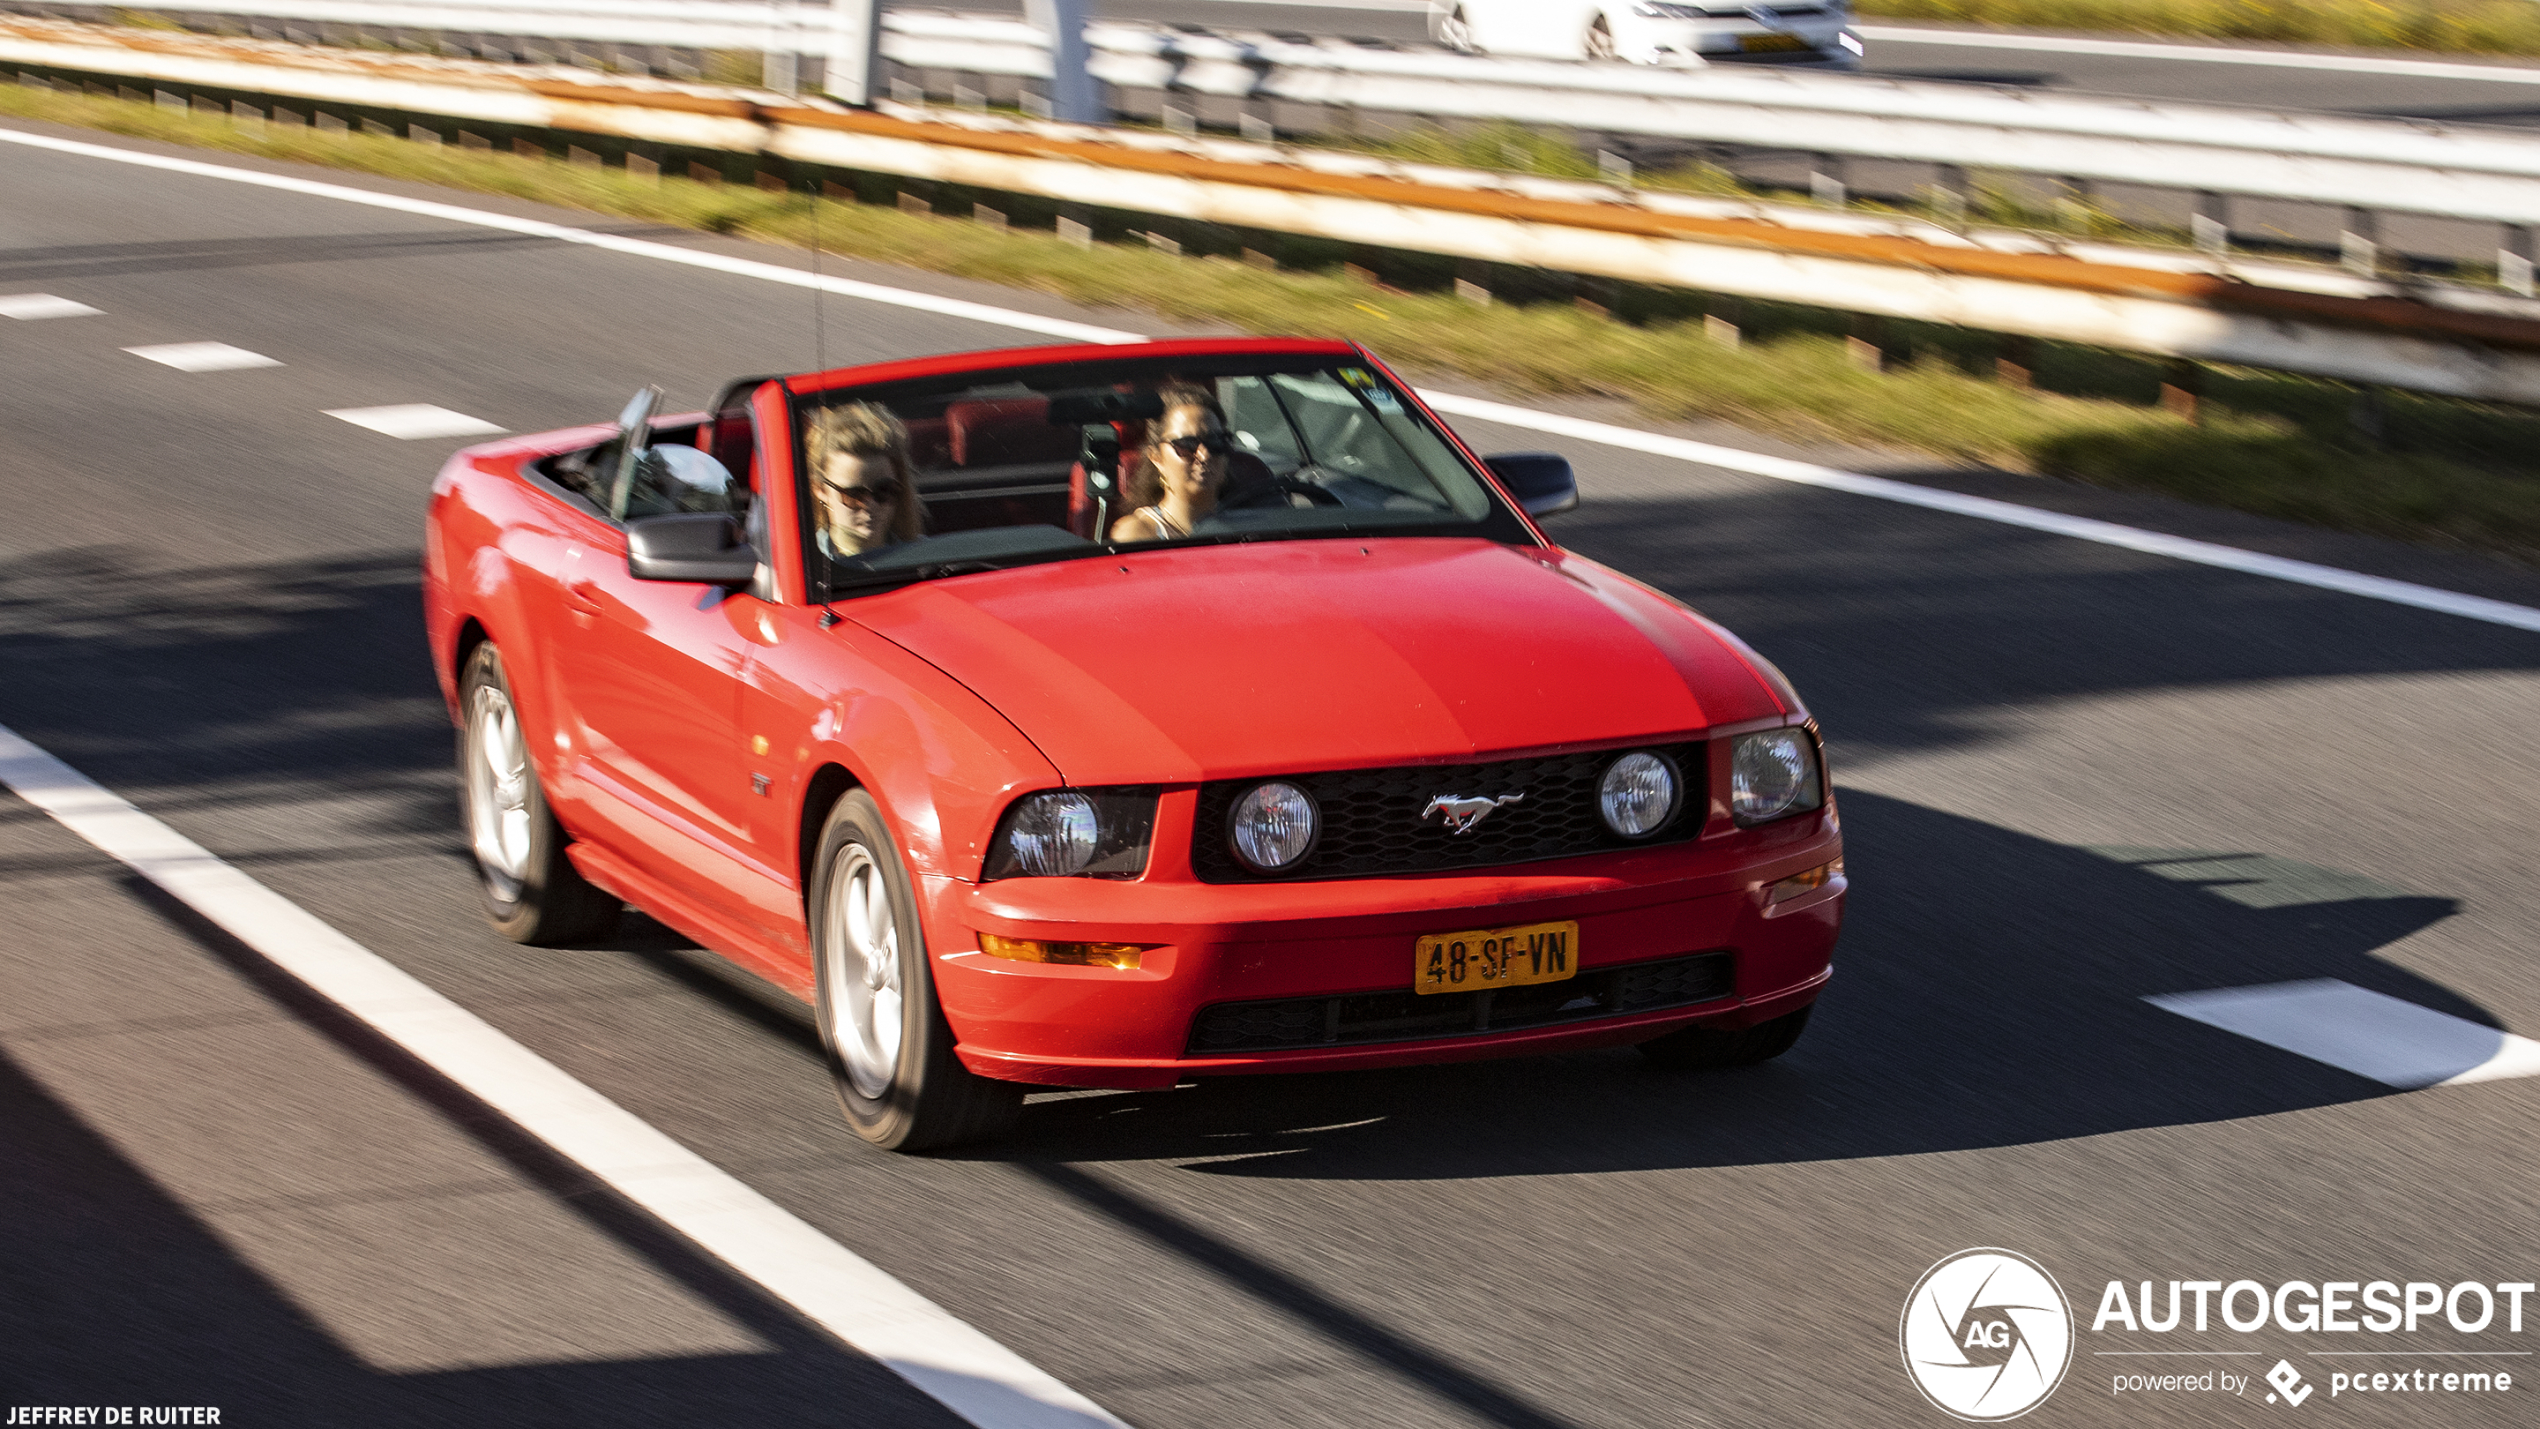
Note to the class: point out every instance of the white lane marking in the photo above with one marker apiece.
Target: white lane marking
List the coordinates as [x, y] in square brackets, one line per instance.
[562, 233]
[2108, 533]
[974, 1376]
[2080, 528]
[31, 306]
[413, 421]
[2197, 54]
[2393, 1042]
[202, 356]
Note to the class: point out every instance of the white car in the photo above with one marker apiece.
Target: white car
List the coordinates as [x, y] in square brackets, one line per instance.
[1687, 33]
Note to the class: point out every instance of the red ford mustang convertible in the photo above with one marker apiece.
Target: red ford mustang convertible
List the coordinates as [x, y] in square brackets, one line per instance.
[1110, 716]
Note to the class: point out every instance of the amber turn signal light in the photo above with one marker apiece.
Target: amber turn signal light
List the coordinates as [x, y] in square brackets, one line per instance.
[1799, 883]
[1082, 955]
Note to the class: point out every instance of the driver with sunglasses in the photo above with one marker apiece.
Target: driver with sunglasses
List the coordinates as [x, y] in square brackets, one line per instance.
[1183, 470]
[860, 480]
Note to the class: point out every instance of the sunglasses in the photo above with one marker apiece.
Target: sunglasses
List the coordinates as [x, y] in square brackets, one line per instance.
[1188, 448]
[861, 495]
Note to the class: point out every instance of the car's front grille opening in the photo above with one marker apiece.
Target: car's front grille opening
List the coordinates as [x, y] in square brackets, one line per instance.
[1360, 1018]
[1374, 821]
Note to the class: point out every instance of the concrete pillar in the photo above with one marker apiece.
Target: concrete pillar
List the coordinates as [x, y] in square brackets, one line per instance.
[1827, 178]
[2359, 246]
[2183, 388]
[2513, 259]
[851, 71]
[2210, 225]
[1074, 98]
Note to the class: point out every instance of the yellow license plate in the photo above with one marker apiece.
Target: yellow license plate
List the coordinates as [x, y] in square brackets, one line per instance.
[1495, 957]
[1767, 44]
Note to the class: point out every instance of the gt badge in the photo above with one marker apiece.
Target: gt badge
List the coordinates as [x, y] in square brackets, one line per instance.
[1463, 814]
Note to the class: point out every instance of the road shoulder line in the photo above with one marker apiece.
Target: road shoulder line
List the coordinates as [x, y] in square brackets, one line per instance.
[943, 1356]
[1985, 508]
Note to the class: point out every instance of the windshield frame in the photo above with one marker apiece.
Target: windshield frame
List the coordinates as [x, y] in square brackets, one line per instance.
[1059, 369]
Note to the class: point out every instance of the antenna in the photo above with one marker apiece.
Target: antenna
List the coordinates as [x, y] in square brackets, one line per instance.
[819, 325]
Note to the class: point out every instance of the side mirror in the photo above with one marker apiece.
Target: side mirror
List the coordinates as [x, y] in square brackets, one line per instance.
[708, 548]
[1542, 482]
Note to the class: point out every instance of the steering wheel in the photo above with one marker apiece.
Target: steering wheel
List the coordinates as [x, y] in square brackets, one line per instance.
[1314, 495]
[1276, 491]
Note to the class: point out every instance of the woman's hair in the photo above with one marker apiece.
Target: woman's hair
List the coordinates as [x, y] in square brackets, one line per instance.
[862, 429]
[1145, 486]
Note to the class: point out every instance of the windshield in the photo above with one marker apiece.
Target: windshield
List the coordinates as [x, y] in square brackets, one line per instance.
[1023, 465]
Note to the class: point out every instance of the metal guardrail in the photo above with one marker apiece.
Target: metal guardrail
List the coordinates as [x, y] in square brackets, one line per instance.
[2431, 338]
[2366, 166]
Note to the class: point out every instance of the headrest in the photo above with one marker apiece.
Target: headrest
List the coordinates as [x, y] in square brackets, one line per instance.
[1012, 429]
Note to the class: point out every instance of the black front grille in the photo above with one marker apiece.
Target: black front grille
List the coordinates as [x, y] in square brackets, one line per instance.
[1372, 821]
[1361, 1018]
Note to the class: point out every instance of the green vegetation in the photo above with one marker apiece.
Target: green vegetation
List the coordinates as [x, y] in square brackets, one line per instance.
[2499, 27]
[2278, 445]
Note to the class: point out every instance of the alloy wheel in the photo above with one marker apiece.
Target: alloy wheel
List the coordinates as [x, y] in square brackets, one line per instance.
[862, 944]
[1456, 31]
[498, 812]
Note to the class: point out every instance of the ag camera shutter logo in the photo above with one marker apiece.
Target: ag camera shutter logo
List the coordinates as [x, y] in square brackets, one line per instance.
[1986, 1335]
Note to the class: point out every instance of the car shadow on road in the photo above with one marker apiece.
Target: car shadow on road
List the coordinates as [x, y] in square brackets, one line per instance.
[1989, 991]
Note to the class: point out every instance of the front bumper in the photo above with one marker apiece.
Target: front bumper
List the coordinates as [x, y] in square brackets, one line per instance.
[1212, 944]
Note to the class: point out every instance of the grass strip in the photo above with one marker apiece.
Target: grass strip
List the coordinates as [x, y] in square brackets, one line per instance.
[2478, 27]
[2444, 471]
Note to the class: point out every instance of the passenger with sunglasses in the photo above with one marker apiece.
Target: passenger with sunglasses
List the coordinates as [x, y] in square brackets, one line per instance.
[1183, 470]
[860, 484]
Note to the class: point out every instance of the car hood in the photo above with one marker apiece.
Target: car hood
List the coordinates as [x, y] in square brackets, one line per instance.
[1277, 657]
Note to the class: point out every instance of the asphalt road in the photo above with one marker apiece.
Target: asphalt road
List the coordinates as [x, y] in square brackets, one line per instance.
[2508, 93]
[2072, 776]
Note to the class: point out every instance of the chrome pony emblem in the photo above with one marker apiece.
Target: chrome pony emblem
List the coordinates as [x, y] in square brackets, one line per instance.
[1463, 814]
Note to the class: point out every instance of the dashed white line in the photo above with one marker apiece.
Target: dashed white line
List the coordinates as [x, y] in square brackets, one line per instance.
[31, 306]
[414, 421]
[969, 1373]
[2367, 1033]
[202, 356]
[2106, 533]
[2199, 54]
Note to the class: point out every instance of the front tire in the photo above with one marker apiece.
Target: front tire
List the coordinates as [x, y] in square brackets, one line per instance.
[889, 1048]
[1699, 1048]
[532, 892]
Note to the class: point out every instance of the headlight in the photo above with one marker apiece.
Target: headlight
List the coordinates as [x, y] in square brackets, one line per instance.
[1637, 795]
[1772, 774]
[1096, 833]
[1272, 827]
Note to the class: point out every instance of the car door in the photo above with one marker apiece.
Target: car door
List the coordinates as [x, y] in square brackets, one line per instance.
[1529, 27]
[652, 670]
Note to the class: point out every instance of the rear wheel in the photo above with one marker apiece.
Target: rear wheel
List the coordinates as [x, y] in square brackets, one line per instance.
[532, 892]
[1599, 42]
[1698, 1047]
[890, 1049]
[1454, 30]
